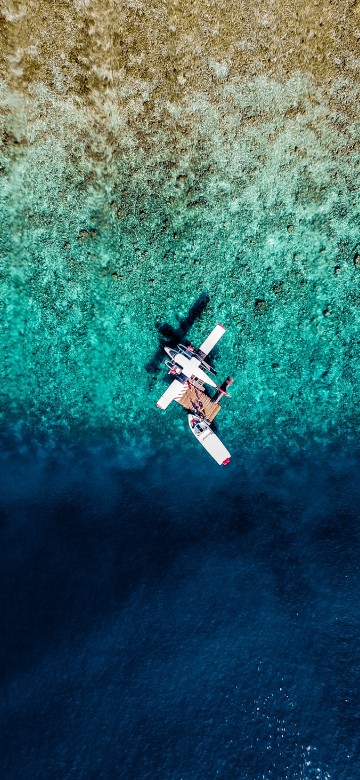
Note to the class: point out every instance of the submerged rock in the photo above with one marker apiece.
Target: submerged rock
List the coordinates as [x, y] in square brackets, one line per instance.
[260, 305]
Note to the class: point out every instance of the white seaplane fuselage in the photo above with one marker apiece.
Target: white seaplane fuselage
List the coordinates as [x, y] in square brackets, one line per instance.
[189, 366]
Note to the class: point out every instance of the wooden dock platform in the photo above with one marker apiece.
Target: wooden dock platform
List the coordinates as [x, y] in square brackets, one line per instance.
[196, 401]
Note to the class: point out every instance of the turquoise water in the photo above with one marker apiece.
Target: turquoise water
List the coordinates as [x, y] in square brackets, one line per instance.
[104, 236]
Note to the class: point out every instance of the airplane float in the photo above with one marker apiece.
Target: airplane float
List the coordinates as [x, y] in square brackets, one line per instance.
[188, 368]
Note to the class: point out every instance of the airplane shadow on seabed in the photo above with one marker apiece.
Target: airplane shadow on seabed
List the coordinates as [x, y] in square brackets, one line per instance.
[171, 337]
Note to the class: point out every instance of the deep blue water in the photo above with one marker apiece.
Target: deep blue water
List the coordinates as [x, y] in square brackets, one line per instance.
[177, 621]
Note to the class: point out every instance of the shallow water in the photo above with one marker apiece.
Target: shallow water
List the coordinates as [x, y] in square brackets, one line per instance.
[251, 200]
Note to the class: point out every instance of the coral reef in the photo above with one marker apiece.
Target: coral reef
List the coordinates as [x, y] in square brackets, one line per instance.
[152, 154]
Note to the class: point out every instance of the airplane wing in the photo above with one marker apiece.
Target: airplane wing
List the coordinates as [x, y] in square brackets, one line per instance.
[212, 339]
[175, 390]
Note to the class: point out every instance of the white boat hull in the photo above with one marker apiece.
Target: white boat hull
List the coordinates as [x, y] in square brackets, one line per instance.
[209, 440]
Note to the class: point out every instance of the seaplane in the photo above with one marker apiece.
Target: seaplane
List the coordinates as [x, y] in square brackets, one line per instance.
[189, 388]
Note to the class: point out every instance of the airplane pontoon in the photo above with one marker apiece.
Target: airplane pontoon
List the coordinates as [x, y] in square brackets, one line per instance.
[188, 367]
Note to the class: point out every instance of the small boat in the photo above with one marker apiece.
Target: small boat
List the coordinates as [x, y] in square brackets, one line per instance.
[209, 440]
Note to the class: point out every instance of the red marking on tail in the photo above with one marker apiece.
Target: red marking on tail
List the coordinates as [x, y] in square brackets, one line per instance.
[223, 391]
